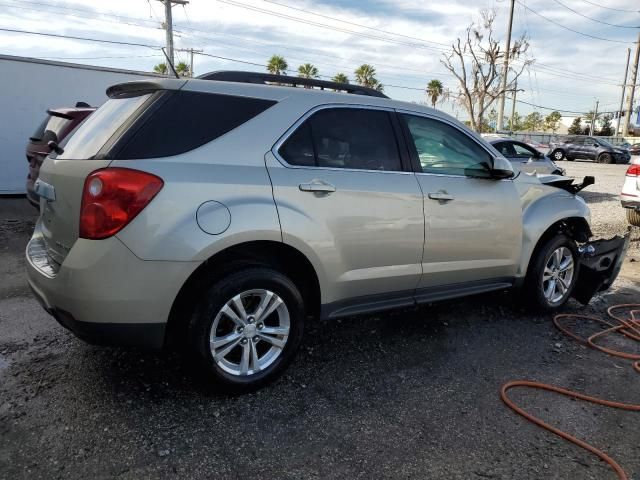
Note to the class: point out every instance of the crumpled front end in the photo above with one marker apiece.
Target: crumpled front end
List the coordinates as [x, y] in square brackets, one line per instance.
[600, 264]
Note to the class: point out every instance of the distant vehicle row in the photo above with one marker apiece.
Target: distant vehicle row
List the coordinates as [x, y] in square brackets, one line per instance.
[588, 148]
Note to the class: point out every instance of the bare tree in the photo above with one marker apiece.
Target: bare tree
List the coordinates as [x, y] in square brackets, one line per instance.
[477, 61]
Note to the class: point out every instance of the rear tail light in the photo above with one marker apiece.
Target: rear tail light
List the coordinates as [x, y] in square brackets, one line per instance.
[633, 171]
[112, 197]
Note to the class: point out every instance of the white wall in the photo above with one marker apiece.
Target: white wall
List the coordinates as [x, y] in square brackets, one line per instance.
[28, 87]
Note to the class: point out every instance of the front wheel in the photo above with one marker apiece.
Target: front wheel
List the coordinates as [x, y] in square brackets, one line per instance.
[247, 328]
[553, 272]
[558, 155]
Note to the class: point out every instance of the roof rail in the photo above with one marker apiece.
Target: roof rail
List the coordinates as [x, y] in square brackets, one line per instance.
[286, 80]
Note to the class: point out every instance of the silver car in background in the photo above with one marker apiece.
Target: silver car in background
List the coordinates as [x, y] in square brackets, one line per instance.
[525, 158]
[222, 214]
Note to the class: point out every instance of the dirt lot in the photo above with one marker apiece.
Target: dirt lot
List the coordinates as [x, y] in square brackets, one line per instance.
[413, 394]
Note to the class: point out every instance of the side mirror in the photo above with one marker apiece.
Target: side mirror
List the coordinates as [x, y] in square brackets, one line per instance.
[502, 169]
[596, 145]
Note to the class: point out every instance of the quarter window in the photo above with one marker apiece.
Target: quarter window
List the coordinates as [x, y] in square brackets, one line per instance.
[444, 149]
[344, 138]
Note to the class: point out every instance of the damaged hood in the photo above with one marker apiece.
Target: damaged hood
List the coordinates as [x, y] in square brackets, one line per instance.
[565, 183]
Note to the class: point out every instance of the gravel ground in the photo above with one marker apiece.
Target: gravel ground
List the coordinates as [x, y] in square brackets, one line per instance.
[412, 394]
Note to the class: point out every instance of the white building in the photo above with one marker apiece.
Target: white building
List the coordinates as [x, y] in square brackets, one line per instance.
[28, 88]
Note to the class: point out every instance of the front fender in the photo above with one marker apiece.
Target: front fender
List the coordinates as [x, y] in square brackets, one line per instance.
[543, 211]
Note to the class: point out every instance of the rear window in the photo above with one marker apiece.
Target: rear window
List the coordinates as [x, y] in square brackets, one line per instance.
[100, 126]
[187, 120]
[50, 129]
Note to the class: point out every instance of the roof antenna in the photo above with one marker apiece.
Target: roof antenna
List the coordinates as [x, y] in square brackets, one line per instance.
[170, 64]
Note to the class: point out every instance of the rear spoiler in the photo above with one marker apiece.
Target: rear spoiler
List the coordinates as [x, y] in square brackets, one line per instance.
[136, 88]
[56, 113]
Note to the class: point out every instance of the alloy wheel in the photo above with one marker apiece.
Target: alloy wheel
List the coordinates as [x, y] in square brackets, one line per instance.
[557, 276]
[249, 332]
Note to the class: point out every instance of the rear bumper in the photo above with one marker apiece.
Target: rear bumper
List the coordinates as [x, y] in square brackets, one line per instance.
[105, 294]
[632, 204]
[600, 264]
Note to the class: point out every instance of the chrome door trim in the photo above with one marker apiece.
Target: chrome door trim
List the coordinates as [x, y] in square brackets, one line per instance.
[301, 120]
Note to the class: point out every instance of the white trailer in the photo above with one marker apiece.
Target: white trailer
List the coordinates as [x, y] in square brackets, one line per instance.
[28, 87]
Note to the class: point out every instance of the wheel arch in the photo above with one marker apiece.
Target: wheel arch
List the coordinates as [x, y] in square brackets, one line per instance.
[576, 227]
[278, 255]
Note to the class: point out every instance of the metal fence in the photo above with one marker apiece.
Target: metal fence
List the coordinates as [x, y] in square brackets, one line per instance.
[546, 138]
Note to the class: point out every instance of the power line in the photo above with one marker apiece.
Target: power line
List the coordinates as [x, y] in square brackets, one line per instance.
[355, 24]
[72, 37]
[593, 19]
[611, 8]
[324, 25]
[549, 108]
[571, 29]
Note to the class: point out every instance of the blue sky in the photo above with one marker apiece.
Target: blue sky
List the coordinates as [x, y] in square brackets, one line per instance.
[569, 73]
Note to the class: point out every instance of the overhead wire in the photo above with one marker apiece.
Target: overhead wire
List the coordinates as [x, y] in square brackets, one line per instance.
[568, 28]
[611, 8]
[594, 19]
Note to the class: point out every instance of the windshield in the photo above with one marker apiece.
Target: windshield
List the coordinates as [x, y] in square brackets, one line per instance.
[604, 143]
[100, 126]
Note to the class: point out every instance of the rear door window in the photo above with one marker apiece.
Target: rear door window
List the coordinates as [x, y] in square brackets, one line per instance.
[353, 138]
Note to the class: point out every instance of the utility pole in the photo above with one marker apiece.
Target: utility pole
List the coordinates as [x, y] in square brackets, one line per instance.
[191, 51]
[505, 69]
[168, 26]
[624, 84]
[632, 90]
[513, 106]
[593, 120]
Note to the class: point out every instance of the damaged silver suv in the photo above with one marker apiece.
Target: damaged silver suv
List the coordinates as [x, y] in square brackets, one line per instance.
[223, 213]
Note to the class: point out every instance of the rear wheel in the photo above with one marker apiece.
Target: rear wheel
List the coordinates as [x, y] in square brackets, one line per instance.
[552, 274]
[633, 217]
[247, 328]
[558, 155]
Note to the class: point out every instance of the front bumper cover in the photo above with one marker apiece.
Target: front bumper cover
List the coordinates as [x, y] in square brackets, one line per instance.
[600, 264]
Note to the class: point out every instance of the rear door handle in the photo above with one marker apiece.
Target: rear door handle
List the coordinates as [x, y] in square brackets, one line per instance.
[317, 186]
[440, 196]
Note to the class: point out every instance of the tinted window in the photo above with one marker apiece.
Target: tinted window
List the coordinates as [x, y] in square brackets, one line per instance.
[186, 120]
[345, 138]
[100, 126]
[298, 149]
[444, 149]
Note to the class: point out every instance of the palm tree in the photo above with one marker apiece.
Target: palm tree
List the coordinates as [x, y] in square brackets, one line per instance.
[340, 78]
[434, 91]
[366, 76]
[161, 68]
[183, 69]
[308, 71]
[277, 65]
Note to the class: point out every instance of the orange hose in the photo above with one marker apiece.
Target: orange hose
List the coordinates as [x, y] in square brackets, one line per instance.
[630, 328]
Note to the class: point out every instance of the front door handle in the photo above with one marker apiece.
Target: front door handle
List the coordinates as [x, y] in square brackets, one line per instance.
[441, 196]
[317, 186]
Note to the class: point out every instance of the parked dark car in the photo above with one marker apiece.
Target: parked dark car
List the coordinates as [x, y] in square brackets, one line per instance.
[57, 125]
[525, 158]
[588, 148]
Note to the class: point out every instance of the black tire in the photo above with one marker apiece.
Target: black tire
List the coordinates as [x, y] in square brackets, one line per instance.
[215, 298]
[533, 291]
[605, 158]
[633, 217]
[558, 155]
